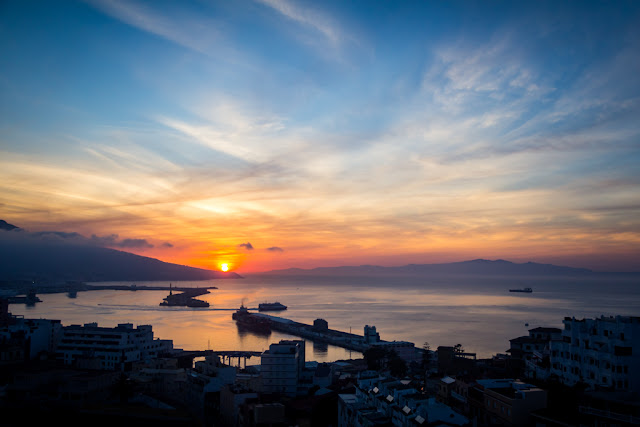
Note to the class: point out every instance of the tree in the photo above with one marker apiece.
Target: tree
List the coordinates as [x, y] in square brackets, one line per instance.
[457, 349]
[426, 355]
[397, 366]
[426, 361]
[375, 358]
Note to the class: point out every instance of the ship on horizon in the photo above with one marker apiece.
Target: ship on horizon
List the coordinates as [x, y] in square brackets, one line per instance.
[526, 290]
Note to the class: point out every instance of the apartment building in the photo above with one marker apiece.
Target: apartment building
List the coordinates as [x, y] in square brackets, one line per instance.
[601, 353]
[109, 348]
[281, 367]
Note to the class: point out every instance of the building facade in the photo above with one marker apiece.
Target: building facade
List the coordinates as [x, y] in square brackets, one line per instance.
[281, 367]
[601, 353]
[110, 348]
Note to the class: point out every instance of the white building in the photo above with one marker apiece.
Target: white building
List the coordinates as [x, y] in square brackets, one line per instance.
[404, 349]
[601, 352]
[34, 336]
[281, 367]
[110, 348]
[371, 336]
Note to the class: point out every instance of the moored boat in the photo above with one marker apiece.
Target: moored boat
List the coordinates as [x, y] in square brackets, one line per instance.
[271, 306]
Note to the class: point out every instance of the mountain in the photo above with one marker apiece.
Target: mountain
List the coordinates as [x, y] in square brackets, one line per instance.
[474, 267]
[4, 225]
[29, 256]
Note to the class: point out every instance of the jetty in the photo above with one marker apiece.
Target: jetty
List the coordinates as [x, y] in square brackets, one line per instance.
[25, 293]
[318, 332]
[135, 287]
[186, 298]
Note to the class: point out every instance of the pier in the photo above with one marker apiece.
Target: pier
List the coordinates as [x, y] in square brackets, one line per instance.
[313, 332]
[186, 298]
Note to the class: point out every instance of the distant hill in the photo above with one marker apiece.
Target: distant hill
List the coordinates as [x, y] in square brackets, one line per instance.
[474, 267]
[4, 225]
[25, 256]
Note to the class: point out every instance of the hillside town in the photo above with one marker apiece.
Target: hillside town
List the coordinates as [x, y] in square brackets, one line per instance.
[586, 374]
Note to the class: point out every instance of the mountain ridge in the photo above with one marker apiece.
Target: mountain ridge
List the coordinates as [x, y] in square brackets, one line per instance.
[29, 256]
[476, 267]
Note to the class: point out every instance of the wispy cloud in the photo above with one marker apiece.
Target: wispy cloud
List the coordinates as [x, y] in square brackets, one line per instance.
[307, 17]
[173, 23]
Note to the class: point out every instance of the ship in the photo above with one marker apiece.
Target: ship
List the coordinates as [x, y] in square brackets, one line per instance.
[250, 321]
[526, 290]
[271, 306]
[241, 312]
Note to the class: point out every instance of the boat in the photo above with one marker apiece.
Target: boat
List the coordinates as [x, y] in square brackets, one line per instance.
[252, 322]
[526, 290]
[271, 306]
[241, 312]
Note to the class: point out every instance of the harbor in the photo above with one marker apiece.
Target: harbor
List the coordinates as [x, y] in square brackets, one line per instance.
[26, 293]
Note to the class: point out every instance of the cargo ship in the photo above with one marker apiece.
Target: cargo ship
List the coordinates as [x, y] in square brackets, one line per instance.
[250, 321]
[526, 290]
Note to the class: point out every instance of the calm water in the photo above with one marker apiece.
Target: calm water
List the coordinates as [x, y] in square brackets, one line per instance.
[478, 313]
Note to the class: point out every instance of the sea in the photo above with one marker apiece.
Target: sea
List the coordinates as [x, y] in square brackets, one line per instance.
[477, 312]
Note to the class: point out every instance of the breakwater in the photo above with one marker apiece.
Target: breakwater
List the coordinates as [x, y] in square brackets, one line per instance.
[319, 334]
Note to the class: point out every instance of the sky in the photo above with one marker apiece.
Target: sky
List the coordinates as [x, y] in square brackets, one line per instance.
[271, 134]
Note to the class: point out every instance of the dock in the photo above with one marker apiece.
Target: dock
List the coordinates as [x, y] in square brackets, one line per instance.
[186, 298]
[330, 336]
[144, 288]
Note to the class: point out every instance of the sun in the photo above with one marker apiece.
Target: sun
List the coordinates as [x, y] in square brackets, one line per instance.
[224, 267]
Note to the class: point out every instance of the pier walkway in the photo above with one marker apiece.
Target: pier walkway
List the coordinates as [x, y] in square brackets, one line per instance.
[329, 336]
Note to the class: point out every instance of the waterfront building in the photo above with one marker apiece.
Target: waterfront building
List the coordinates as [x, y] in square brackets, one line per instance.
[24, 339]
[370, 335]
[451, 360]
[530, 354]
[320, 325]
[603, 353]
[110, 348]
[282, 367]
[404, 349]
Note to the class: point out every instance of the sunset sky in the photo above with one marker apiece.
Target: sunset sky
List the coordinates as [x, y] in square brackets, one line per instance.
[272, 133]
